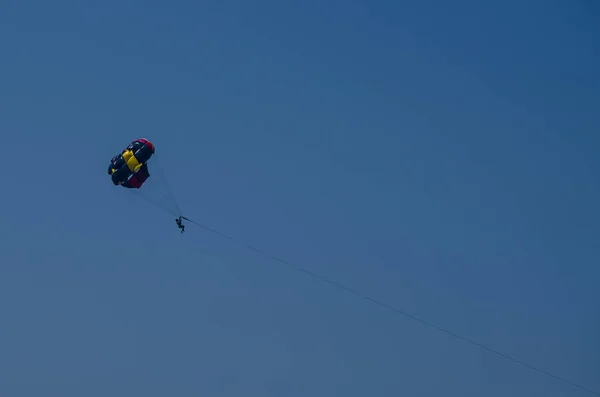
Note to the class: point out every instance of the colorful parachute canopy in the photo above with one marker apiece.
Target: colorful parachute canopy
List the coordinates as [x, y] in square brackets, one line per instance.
[130, 169]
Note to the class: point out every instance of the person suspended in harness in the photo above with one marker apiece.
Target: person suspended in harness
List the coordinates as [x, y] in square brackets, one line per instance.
[180, 224]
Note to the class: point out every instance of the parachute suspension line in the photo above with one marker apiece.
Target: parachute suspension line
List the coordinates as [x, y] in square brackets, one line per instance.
[154, 203]
[395, 310]
[168, 185]
[157, 189]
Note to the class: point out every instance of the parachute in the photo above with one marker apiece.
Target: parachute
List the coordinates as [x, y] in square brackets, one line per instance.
[130, 169]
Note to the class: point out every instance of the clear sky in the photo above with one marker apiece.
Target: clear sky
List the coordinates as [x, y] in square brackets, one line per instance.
[439, 156]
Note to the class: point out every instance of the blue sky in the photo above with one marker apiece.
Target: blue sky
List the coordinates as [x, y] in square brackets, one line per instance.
[441, 158]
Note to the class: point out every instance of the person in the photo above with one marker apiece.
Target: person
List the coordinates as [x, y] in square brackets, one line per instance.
[180, 225]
